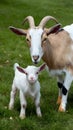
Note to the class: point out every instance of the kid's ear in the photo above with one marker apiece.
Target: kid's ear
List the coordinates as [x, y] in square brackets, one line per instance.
[21, 70]
[42, 67]
[18, 30]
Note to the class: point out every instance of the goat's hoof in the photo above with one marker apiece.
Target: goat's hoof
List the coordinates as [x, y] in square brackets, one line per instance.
[61, 109]
[11, 107]
[59, 100]
[39, 115]
[22, 117]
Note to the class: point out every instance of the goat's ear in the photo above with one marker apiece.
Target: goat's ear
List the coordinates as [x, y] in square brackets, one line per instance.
[54, 29]
[18, 31]
[21, 70]
[42, 67]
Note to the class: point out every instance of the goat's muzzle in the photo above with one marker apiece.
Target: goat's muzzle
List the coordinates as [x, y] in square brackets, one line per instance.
[35, 58]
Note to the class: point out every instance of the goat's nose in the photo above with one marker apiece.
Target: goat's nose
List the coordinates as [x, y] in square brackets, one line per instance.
[31, 78]
[36, 58]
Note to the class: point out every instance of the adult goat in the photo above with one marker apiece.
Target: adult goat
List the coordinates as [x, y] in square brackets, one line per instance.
[55, 46]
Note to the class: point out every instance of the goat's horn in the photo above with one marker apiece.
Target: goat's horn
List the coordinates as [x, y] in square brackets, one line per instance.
[30, 20]
[45, 20]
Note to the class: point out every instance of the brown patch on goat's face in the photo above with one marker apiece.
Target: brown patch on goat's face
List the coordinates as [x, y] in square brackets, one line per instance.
[44, 38]
[28, 39]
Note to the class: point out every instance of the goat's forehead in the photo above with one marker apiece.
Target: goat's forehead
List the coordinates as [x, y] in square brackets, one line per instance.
[31, 69]
[35, 32]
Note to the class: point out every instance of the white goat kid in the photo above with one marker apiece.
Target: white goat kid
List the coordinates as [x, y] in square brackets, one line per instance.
[55, 46]
[26, 81]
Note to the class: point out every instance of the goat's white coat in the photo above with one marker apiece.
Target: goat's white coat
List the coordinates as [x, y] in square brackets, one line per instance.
[27, 86]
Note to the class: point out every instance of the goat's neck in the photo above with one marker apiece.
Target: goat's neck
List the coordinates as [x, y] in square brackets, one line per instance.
[56, 51]
[32, 89]
[32, 86]
[48, 55]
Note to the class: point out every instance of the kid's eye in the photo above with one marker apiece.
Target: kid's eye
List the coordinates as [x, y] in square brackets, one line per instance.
[37, 72]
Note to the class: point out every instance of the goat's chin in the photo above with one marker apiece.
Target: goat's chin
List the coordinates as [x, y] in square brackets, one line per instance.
[32, 81]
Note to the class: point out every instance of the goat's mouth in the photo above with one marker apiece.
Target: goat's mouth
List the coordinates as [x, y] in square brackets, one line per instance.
[32, 81]
[35, 62]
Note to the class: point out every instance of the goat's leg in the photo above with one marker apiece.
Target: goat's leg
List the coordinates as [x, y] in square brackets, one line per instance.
[12, 96]
[60, 80]
[23, 105]
[65, 89]
[37, 104]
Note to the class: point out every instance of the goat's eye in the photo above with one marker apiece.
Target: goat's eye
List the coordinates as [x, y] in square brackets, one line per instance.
[27, 40]
[37, 72]
[26, 73]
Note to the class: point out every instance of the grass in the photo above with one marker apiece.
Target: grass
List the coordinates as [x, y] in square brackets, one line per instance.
[14, 49]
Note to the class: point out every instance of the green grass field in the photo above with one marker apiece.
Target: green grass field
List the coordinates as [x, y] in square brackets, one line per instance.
[14, 49]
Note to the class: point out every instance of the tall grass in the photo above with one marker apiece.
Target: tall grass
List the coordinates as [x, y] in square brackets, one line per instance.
[14, 49]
